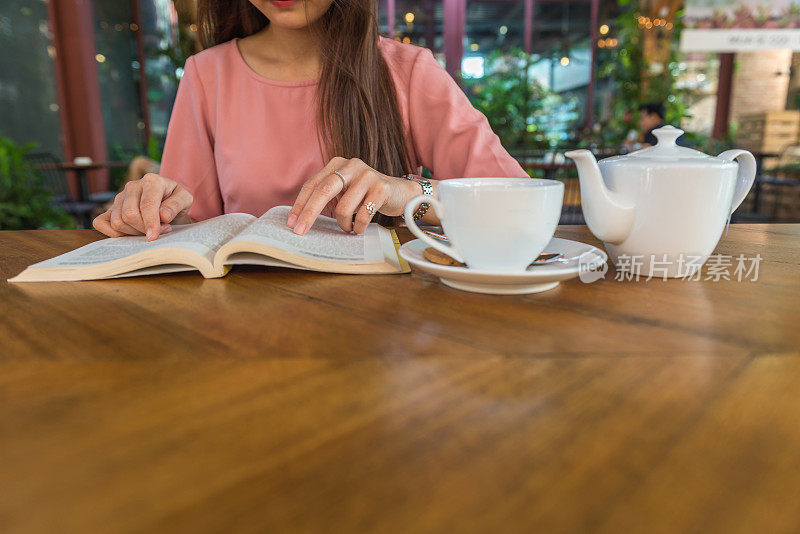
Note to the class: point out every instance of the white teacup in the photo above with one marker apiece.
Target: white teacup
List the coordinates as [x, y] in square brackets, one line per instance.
[493, 224]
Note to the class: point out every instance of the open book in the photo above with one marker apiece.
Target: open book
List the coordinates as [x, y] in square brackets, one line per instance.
[212, 246]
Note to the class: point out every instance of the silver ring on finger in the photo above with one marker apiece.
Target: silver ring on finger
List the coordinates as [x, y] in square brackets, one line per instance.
[341, 177]
[371, 209]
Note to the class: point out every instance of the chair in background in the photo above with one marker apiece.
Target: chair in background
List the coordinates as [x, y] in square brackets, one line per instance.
[571, 210]
[775, 195]
[552, 166]
[55, 180]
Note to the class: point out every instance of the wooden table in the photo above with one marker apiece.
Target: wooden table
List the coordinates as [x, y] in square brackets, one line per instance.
[300, 402]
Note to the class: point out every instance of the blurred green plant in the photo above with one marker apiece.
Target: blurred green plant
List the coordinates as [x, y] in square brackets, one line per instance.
[154, 149]
[709, 145]
[24, 203]
[517, 106]
[165, 66]
[785, 170]
[177, 56]
[636, 79]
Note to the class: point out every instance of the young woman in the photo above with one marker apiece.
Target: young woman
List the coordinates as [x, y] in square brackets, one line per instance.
[300, 102]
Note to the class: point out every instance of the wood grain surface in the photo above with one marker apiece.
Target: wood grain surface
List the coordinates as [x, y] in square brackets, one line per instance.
[283, 401]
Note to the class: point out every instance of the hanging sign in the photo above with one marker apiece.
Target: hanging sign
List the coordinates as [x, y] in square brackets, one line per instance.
[724, 26]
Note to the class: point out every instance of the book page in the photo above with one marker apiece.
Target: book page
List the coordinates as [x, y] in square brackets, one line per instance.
[157, 269]
[203, 238]
[323, 241]
[253, 258]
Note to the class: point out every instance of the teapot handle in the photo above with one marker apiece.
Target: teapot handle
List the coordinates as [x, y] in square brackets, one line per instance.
[745, 176]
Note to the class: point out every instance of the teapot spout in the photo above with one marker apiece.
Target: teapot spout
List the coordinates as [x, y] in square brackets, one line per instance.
[608, 215]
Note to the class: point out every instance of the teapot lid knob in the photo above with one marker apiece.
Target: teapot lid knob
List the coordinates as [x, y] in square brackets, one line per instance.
[667, 136]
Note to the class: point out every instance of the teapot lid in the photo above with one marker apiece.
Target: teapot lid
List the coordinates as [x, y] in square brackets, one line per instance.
[667, 148]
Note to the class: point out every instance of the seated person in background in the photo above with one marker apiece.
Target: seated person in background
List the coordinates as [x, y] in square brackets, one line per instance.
[651, 117]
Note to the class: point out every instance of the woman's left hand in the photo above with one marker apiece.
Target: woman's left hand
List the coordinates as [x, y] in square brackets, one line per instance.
[361, 186]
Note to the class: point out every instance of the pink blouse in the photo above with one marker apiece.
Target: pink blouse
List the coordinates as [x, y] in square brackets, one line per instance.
[240, 142]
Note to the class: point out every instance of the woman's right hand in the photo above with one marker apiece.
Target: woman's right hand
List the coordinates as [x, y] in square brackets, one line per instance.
[146, 206]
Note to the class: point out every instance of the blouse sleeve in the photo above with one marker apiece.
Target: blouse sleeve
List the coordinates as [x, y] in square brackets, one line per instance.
[452, 138]
[189, 149]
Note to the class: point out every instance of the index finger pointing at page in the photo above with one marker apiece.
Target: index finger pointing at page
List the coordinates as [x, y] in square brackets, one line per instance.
[309, 187]
[325, 191]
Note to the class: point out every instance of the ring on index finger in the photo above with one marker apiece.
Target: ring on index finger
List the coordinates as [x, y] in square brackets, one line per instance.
[341, 177]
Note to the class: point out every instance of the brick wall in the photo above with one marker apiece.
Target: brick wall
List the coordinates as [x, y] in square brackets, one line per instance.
[756, 87]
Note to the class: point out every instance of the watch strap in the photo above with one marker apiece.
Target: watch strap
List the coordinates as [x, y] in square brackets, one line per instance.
[427, 189]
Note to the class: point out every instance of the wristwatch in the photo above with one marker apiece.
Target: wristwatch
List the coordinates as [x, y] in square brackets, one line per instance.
[427, 189]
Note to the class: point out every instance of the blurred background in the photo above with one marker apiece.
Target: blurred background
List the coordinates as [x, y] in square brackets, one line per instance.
[87, 86]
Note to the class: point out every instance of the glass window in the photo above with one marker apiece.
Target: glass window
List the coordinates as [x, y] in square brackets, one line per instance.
[164, 61]
[537, 100]
[28, 98]
[420, 23]
[120, 71]
[494, 26]
[416, 22]
[117, 67]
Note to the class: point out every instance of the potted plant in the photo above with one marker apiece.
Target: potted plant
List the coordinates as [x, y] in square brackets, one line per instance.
[24, 203]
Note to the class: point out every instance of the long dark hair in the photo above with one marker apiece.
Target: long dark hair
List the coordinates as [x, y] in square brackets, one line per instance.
[358, 114]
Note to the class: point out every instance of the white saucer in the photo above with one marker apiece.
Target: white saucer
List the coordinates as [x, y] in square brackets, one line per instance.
[537, 278]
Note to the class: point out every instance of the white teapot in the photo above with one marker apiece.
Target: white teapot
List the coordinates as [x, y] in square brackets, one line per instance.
[661, 210]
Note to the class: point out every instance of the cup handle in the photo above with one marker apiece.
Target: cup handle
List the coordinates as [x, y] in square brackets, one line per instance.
[408, 215]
